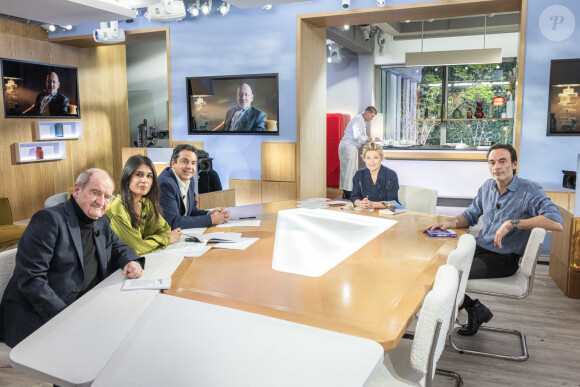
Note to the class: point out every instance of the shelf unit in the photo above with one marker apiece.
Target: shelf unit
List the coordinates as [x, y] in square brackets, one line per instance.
[71, 130]
[53, 150]
[465, 119]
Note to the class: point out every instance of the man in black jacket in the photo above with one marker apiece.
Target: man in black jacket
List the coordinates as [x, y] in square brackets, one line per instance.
[64, 252]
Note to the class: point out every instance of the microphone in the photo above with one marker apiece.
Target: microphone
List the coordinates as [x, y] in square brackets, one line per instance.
[497, 206]
[97, 233]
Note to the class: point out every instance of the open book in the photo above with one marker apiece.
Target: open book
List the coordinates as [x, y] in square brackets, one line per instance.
[392, 208]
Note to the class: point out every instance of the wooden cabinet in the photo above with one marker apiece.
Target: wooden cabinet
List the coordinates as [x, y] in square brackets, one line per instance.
[565, 256]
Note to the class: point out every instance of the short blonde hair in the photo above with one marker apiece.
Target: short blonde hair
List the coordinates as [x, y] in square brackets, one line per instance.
[371, 146]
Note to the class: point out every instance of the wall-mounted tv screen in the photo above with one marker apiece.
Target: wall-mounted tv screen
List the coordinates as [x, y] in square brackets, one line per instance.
[235, 104]
[37, 90]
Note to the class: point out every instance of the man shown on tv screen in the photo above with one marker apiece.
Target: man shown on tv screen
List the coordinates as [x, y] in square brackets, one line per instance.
[244, 117]
[50, 102]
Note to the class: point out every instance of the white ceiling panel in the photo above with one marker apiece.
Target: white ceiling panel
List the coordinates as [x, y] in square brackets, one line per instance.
[64, 12]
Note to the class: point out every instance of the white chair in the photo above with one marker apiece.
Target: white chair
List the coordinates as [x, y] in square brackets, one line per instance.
[412, 363]
[7, 263]
[418, 198]
[55, 199]
[517, 286]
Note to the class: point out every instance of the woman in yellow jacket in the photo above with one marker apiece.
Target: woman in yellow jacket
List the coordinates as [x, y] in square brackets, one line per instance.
[135, 214]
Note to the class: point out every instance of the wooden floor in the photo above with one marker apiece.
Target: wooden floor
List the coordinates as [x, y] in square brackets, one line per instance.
[550, 320]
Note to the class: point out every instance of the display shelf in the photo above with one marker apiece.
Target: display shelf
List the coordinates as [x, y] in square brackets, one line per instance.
[47, 130]
[27, 152]
[465, 119]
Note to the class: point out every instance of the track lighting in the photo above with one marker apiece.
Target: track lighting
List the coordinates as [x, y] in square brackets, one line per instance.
[267, 7]
[345, 4]
[224, 8]
[380, 3]
[49, 27]
[194, 9]
[206, 7]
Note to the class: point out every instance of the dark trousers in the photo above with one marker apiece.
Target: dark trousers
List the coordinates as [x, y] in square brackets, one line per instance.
[489, 264]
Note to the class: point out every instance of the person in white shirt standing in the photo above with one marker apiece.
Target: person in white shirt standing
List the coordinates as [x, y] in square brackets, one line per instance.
[354, 138]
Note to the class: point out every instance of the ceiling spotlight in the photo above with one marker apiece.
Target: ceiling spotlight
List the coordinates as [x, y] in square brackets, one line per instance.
[109, 33]
[380, 3]
[206, 7]
[167, 10]
[345, 4]
[267, 7]
[334, 54]
[67, 27]
[224, 8]
[49, 27]
[346, 27]
[194, 9]
[407, 21]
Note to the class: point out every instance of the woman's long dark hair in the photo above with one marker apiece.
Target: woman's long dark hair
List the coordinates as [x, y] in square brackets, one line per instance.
[129, 169]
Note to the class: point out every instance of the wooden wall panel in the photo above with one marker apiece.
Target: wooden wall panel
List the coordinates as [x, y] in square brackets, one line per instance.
[273, 191]
[311, 63]
[279, 161]
[104, 116]
[247, 191]
[225, 198]
[195, 144]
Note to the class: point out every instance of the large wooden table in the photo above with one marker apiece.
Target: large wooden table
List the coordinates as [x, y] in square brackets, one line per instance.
[372, 294]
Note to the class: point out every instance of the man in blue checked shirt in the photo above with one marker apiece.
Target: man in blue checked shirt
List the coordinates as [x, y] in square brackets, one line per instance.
[511, 207]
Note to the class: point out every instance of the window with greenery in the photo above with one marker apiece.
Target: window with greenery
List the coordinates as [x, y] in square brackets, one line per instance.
[438, 106]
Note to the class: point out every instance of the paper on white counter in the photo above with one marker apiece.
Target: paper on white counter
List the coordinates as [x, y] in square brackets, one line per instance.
[147, 283]
[242, 244]
[218, 237]
[187, 249]
[241, 223]
[191, 231]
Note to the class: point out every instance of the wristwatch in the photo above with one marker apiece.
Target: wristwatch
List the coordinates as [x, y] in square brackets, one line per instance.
[515, 223]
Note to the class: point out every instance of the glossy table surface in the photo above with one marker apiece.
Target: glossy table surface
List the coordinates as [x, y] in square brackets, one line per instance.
[374, 293]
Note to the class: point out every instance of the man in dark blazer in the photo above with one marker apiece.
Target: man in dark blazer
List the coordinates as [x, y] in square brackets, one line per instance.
[244, 117]
[50, 102]
[178, 193]
[64, 252]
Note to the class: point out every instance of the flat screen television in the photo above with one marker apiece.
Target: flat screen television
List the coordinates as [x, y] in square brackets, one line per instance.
[37, 90]
[234, 104]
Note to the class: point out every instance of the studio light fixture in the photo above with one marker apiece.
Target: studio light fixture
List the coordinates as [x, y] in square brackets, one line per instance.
[194, 9]
[345, 4]
[49, 27]
[167, 10]
[109, 33]
[454, 57]
[206, 7]
[224, 8]
[380, 3]
[334, 53]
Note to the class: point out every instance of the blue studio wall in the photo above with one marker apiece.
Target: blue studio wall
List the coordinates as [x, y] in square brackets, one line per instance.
[551, 33]
[250, 41]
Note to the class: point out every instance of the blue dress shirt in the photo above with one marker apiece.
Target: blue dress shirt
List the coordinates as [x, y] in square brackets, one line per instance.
[386, 187]
[522, 199]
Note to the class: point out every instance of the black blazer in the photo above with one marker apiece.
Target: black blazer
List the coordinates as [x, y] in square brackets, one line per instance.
[173, 207]
[253, 120]
[49, 269]
[58, 105]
